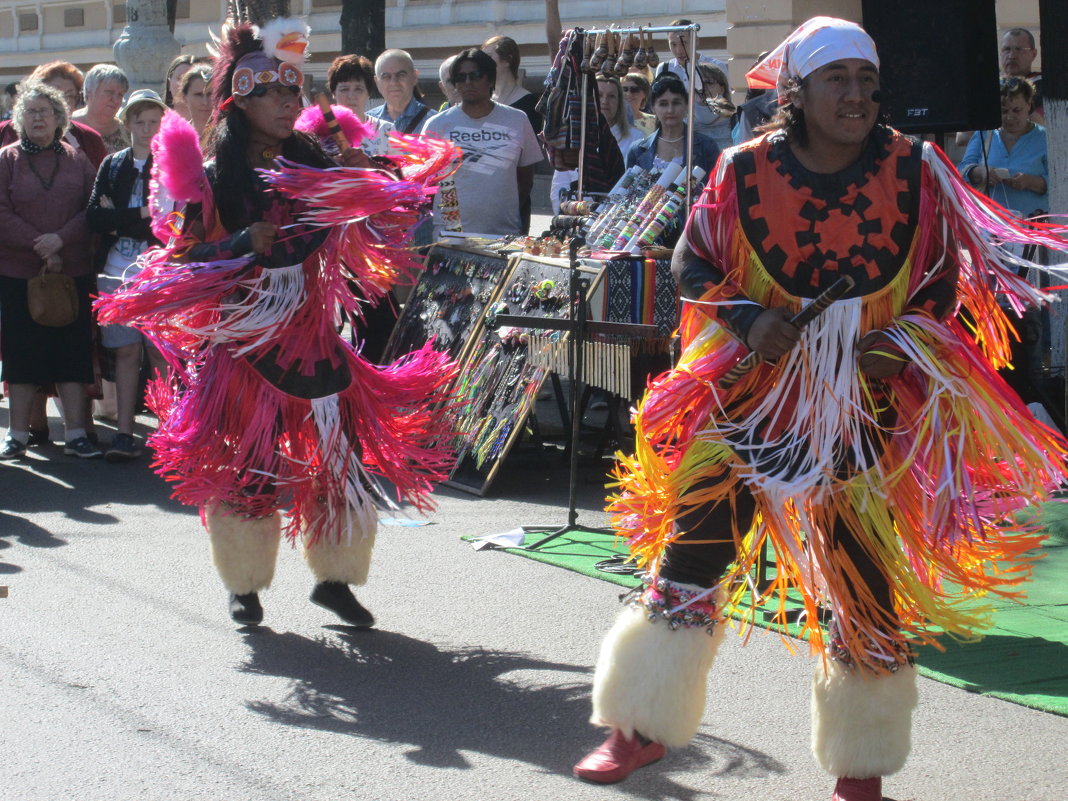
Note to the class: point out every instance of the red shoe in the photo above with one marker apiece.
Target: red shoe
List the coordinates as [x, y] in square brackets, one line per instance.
[858, 790]
[617, 758]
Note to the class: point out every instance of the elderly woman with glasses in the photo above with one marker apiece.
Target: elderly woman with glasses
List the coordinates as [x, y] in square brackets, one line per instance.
[68, 79]
[44, 190]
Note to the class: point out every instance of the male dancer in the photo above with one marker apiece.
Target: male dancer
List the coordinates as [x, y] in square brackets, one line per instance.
[875, 447]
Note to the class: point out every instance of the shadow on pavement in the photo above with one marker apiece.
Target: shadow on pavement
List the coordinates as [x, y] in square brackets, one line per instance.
[444, 701]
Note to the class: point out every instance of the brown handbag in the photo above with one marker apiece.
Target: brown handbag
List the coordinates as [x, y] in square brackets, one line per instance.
[52, 299]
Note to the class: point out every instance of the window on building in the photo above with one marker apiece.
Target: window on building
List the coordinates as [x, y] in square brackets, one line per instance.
[118, 13]
[181, 9]
[27, 23]
[73, 17]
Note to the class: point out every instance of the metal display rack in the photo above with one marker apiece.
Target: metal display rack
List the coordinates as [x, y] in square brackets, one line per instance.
[692, 30]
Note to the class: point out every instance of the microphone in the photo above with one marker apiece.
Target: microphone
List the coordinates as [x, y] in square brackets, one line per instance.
[878, 96]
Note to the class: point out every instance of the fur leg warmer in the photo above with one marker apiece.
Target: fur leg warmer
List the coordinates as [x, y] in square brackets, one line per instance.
[244, 549]
[652, 678]
[861, 722]
[347, 562]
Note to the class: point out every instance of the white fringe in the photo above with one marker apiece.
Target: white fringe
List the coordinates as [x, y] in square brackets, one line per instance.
[258, 311]
[359, 510]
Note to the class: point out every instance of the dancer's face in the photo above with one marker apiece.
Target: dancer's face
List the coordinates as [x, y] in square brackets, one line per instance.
[272, 113]
[837, 101]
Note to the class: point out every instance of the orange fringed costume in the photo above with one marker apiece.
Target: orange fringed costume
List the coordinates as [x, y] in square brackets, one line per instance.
[928, 469]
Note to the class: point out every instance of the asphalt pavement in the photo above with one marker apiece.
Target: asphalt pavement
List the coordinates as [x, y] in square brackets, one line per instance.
[123, 679]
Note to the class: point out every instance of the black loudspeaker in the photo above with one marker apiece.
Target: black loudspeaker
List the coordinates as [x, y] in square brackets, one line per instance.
[938, 63]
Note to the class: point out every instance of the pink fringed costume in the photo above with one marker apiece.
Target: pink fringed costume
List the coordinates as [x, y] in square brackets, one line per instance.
[271, 409]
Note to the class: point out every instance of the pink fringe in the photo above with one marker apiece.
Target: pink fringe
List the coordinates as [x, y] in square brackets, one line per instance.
[262, 451]
[177, 168]
[311, 121]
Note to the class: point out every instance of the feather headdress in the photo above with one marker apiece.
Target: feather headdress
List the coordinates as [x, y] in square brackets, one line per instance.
[286, 39]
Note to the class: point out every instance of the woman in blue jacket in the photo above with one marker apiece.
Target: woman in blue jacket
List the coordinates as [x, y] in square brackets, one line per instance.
[1013, 170]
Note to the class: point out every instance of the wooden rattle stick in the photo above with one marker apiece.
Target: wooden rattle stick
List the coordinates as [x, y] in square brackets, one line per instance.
[332, 123]
[801, 319]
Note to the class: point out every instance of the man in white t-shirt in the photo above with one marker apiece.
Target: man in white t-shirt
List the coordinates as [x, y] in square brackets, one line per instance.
[499, 146]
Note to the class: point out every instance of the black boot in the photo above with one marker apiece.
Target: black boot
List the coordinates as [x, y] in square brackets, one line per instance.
[338, 598]
[245, 609]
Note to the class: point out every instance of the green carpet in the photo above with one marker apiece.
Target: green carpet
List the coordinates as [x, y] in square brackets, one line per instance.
[1023, 658]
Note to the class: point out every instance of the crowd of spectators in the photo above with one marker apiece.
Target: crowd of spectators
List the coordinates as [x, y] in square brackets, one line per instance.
[74, 182]
[75, 166]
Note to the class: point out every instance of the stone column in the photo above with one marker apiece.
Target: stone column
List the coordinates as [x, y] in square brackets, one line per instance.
[146, 46]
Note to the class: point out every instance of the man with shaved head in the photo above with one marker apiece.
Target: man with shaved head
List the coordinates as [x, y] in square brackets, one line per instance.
[396, 78]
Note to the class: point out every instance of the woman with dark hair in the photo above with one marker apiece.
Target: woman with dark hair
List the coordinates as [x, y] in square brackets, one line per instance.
[669, 98]
[275, 411]
[175, 72]
[44, 189]
[351, 80]
[194, 92]
[1009, 165]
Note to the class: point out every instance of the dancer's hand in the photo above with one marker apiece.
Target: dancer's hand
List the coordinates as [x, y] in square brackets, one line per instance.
[262, 235]
[874, 361]
[354, 157]
[772, 334]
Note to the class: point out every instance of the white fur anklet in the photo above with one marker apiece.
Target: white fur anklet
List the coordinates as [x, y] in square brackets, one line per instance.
[347, 562]
[651, 677]
[244, 549]
[861, 721]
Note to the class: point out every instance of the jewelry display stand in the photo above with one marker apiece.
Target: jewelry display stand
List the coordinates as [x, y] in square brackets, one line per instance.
[579, 327]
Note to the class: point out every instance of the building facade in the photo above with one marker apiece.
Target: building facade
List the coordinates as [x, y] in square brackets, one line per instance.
[83, 31]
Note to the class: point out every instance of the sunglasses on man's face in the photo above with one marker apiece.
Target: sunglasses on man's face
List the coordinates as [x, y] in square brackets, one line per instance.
[464, 77]
[631, 89]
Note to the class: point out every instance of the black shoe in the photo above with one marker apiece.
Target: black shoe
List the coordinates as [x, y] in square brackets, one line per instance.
[82, 448]
[338, 598]
[123, 448]
[39, 437]
[245, 609]
[12, 449]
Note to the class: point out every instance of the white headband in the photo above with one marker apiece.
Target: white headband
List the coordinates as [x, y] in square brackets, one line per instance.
[814, 44]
